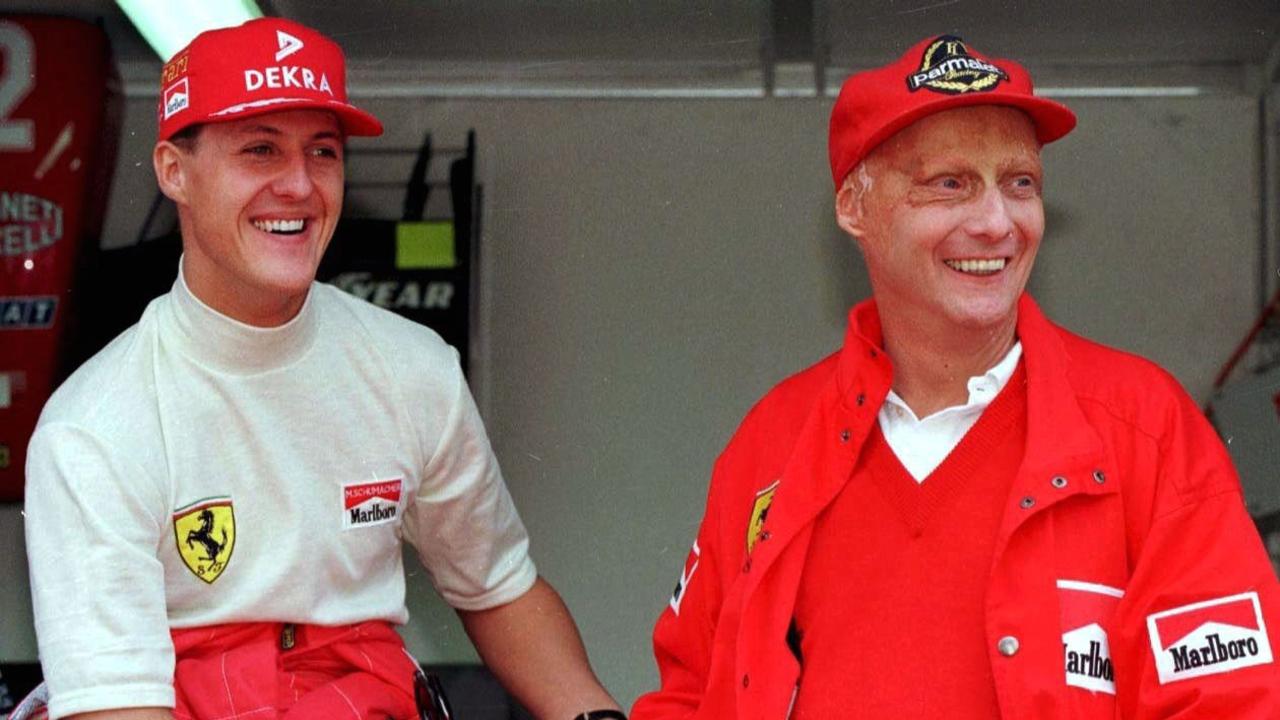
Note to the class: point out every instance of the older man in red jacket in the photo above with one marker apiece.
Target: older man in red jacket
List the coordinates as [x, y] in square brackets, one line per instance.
[966, 512]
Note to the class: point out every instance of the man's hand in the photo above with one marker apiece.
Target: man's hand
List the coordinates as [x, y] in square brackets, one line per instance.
[532, 646]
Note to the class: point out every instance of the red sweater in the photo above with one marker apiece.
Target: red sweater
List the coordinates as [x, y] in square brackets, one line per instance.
[890, 606]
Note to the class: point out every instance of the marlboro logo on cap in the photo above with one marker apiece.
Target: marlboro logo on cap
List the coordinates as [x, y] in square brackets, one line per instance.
[1210, 637]
[936, 74]
[263, 66]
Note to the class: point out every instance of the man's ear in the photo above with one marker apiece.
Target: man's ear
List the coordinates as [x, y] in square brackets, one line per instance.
[170, 165]
[850, 213]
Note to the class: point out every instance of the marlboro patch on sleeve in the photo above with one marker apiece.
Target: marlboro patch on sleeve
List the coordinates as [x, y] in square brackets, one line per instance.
[1210, 637]
[368, 504]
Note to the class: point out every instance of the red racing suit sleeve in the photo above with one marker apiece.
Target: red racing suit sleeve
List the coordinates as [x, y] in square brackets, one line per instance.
[684, 635]
[696, 636]
[1195, 634]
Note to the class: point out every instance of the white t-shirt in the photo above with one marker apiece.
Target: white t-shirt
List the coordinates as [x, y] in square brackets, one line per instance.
[198, 471]
[922, 445]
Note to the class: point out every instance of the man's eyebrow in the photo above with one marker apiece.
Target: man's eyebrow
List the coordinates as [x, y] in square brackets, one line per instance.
[275, 131]
[934, 164]
[255, 129]
[1022, 162]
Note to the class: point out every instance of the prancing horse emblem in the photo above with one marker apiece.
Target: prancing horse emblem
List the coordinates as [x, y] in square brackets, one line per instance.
[204, 536]
[205, 532]
[759, 513]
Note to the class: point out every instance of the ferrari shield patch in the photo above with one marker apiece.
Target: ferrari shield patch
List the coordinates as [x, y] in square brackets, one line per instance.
[206, 534]
[759, 512]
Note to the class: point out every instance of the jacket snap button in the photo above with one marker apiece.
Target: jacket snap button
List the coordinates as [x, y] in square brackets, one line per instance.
[874, 353]
[746, 566]
[746, 680]
[1059, 482]
[1099, 476]
[1027, 502]
[1008, 646]
[862, 398]
[844, 435]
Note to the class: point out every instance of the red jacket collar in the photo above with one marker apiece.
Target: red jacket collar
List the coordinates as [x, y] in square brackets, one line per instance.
[1060, 438]
[1058, 433]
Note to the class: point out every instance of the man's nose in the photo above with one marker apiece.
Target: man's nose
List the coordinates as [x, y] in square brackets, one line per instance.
[991, 217]
[294, 179]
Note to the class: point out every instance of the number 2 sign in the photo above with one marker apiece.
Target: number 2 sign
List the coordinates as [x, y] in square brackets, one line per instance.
[17, 77]
[59, 126]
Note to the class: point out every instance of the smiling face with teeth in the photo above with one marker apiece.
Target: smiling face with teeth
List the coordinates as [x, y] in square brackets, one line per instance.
[948, 216]
[258, 200]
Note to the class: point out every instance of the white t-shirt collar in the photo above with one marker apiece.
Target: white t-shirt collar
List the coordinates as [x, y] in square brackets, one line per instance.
[228, 345]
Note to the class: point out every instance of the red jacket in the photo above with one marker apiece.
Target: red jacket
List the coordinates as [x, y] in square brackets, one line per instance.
[1124, 490]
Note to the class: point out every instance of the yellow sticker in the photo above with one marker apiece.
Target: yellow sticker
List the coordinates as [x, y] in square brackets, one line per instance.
[174, 68]
[425, 245]
[759, 512]
[206, 535]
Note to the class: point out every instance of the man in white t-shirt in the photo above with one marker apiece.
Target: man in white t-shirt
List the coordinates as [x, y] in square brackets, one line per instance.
[216, 501]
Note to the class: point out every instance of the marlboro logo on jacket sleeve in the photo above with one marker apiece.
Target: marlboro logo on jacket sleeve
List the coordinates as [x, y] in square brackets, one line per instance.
[1210, 637]
[370, 503]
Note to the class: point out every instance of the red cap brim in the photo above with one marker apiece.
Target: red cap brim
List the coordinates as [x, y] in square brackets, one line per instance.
[1052, 120]
[354, 121]
[935, 75]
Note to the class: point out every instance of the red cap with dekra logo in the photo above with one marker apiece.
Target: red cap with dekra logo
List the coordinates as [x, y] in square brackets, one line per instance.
[263, 66]
[934, 75]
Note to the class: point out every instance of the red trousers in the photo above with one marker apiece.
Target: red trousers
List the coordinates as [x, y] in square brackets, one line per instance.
[269, 671]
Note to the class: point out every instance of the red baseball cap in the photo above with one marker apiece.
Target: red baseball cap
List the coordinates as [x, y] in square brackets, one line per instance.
[934, 75]
[263, 66]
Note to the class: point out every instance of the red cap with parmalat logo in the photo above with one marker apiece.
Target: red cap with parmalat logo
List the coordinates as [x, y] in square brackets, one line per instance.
[937, 74]
[263, 66]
